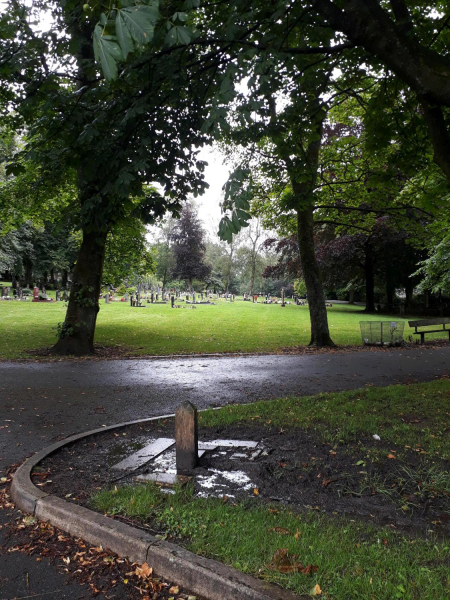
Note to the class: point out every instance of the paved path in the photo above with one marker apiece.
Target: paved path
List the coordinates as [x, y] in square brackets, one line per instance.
[42, 402]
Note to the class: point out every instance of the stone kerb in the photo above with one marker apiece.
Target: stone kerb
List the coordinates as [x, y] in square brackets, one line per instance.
[206, 577]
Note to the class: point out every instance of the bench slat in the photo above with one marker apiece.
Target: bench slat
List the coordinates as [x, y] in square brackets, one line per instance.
[429, 322]
[431, 331]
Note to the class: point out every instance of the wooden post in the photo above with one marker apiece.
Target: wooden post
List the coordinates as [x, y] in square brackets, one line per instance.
[186, 438]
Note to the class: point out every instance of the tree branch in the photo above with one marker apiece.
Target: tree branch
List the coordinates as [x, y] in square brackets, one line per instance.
[366, 24]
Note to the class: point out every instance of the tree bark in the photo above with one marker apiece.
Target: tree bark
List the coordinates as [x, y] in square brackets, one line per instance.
[370, 282]
[77, 333]
[320, 334]
[351, 296]
[28, 268]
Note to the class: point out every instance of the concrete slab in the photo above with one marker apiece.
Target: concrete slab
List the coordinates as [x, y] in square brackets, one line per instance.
[144, 455]
[164, 479]
[235, 443]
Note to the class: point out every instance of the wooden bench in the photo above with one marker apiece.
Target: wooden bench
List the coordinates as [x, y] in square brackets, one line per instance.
[430, 322]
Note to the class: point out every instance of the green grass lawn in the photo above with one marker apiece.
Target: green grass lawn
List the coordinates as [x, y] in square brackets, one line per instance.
[160, 330]
[354, 558]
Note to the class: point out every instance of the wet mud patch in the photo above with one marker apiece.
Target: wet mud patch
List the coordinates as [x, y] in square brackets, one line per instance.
[390, 486]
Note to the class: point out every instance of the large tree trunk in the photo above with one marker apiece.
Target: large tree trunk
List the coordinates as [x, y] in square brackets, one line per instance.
[370, 281]
[77, 333]
[390, 295]
[320, 334]
[252, 279]
[28, 269]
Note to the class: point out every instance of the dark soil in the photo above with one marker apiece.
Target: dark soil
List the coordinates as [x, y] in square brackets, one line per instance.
[124, 352]
[297, 469]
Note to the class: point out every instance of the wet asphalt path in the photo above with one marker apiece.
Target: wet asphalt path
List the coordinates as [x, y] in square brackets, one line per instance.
[42, 402]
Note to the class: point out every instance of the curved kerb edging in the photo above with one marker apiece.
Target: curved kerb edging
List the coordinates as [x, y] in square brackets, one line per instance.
[202, 576]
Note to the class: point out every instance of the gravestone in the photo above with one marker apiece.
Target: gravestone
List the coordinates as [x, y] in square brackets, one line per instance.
[58, 295]
[126, 297]
[107, 299]
[186, 438]
[65, 296]
[35, 293]
[193, 297]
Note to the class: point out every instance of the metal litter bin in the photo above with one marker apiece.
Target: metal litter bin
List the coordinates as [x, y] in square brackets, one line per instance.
[382, 333]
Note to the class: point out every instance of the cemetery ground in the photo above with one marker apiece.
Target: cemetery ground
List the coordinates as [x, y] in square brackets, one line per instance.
[327, 507]
[226, 327]
[42, 402]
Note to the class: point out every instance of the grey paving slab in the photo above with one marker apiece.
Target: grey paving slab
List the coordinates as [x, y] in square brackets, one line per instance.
[145, 454]
[167, 479]
[235, 443]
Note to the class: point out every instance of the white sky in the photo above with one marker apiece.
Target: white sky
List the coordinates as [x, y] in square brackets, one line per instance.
[216, 174]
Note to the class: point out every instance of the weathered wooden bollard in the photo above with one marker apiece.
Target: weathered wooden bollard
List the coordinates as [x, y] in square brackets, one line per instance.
[186, 438]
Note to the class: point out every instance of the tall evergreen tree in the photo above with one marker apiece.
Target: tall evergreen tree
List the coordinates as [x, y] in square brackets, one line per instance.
[189, 247]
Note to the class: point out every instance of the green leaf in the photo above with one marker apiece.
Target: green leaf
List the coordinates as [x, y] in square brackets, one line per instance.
[140, 21]
[178, 35]
[235, 222]
[180, 16]
[242, 214]
[107, 53]
[14, 169]
[124, 35]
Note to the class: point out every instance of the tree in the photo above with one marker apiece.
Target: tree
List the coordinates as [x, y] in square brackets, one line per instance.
[411, 41]
[189, 247]
[109, 137]
[253, 234]
[127, 255]
[293, 136]
[165, 259]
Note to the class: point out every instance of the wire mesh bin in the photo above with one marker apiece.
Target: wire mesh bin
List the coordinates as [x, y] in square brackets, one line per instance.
[382, 333]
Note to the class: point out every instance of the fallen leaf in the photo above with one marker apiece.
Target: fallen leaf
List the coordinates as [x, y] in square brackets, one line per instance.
[316, 591]
[283, 562]
[280, 530]
[256, 491]
[174, 590]
[391, 456]
[143, 571]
